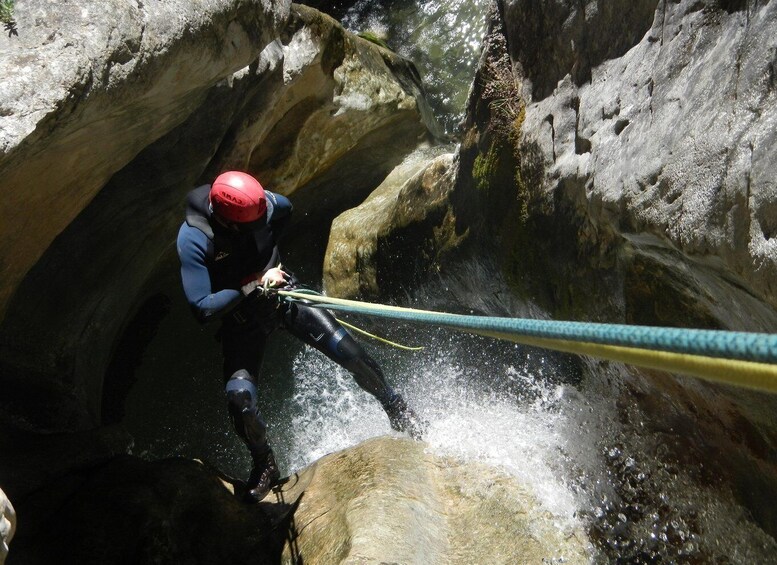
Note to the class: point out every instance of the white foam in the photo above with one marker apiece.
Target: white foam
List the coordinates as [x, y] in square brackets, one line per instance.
[466, 421]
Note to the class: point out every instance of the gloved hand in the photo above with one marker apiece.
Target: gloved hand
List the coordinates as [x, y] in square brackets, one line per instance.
[274, 277]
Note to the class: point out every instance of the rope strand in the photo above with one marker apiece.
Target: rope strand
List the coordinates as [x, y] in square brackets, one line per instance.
[738, 358]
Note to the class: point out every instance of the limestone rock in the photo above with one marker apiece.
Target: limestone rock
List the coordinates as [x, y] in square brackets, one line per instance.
[7, 525]
[620, 139]
[400, 230]
[389, 500]
[89, 84]
[661, 125]
[335, 120]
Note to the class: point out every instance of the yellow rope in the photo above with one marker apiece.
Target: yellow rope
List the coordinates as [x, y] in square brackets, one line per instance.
[345, 302]
[381, 339]
[748, 374]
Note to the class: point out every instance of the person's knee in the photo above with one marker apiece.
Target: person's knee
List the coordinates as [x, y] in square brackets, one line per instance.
[345, 348]
[243, 409]
[241, 391]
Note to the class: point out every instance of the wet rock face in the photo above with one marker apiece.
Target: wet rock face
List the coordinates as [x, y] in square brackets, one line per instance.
[554, 38]
[640, 191]
[395, 236]
[652, 129]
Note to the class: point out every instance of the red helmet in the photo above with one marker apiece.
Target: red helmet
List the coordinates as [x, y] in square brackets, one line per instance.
[237, 197]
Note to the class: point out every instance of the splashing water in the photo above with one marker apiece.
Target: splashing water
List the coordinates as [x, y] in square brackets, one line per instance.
[530, 414]
[466, 419]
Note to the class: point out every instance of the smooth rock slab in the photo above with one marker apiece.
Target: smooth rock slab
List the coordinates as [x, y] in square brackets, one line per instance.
[390, 500]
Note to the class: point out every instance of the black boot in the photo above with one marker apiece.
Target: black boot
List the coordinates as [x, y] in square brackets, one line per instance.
[403, 419]
[264, 475]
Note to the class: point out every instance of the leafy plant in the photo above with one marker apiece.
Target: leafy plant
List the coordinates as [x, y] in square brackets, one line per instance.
[6, 16]
[501, 90]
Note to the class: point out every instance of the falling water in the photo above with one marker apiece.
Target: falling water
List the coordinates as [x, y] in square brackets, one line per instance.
[442, 37]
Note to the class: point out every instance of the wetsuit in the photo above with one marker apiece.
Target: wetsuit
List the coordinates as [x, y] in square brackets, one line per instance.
[215, 263]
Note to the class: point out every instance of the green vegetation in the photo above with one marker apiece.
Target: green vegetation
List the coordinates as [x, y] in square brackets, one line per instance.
[501, 89]
[6, 11]
[508, 112]
[484, 169]
[6, 16]
[372, 37]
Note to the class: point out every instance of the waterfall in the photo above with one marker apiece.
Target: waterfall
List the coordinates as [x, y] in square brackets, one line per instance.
[568, 429]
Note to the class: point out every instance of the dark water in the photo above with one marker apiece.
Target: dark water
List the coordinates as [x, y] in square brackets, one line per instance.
[571, 430]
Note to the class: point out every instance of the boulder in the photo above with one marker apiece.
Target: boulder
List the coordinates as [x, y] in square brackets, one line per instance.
[404, 226]
[7, 525]
[391, 500]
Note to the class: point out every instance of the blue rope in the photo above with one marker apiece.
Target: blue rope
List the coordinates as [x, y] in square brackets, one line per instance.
[745, 346]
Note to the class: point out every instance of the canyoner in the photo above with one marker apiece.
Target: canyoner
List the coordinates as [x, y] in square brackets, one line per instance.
[229, 253]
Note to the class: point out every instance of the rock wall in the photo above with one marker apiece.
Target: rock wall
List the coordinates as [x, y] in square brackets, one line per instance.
[619, 158]
[88, 85]
[311, 114]
[641, 136]
[81, 138]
